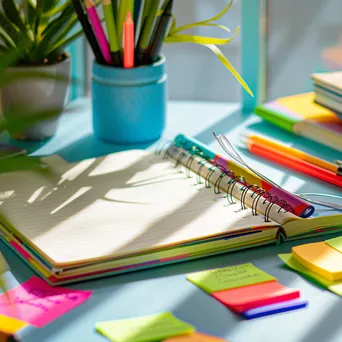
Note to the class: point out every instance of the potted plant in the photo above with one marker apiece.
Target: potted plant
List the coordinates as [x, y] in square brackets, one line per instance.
[33, 38]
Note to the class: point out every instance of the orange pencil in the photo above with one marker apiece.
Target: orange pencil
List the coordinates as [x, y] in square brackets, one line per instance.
[128, 41]
[295, 153]
[294, 163]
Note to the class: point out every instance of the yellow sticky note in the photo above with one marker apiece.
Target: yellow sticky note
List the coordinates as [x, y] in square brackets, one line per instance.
[320, 258]
[229, 277]
[10, 325]
[195, 337]
[335, 287]
[335, 243]
[144, 329]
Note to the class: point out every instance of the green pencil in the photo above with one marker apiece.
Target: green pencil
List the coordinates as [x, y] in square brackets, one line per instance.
[111, 28]
[146, 30]
[125, 6]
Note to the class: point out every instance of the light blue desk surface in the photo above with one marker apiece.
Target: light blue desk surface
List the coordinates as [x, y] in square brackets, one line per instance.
[165, 288]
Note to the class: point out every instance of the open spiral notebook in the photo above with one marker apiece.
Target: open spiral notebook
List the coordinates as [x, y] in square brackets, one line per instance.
[136, 209]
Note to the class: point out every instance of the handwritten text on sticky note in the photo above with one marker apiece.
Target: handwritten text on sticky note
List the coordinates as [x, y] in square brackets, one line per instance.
[144, 329]
[229, 277]
[38, 303]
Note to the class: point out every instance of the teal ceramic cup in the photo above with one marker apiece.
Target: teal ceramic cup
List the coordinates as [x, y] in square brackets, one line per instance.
[129, 105]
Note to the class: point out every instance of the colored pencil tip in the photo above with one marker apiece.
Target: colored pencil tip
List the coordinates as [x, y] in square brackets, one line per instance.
[129, 16]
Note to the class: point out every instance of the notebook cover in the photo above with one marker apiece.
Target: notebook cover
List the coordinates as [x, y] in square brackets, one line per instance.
[287, 111]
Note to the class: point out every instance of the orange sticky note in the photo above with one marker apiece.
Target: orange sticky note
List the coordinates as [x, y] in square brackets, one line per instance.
[195, 337]
[320, 258]
[250, 297]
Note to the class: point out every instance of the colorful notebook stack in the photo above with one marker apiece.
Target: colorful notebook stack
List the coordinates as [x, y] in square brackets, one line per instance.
[153, 328]
[300, 115]
[328, 90]
[320, 261]
[248, 291]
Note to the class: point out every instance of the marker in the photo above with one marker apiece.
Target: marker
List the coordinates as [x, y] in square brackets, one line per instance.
[159, 33]
[88, 31]
[99, 33]
[128, 42]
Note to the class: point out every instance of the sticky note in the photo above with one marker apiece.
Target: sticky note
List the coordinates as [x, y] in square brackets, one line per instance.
[10, 326]
[320, 258]
[335, 287]
[195, 337]
[335, 243]
[38, 303]
[245, 298]
[275, 308]
[229, 277]
[144, 329]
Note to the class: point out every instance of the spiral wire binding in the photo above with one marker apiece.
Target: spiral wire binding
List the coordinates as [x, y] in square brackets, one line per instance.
[234, 180]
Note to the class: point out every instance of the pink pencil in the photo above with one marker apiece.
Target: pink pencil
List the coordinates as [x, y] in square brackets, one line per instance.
[98, 30]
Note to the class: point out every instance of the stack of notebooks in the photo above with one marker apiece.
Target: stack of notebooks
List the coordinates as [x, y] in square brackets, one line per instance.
[320, 261]
[328, 90]
[301, 115]
[134, 210]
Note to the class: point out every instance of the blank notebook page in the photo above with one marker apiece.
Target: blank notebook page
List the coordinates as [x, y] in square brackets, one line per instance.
[115, 205]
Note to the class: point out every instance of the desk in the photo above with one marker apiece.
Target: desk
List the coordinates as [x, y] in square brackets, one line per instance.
[165, 288]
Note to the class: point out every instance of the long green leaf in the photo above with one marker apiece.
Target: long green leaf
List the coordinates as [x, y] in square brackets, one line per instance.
[67, 41]
[65, 31]
[6, 40]
[53, 30]
[30, 14]
[39, 12]
[49, 5]
[13, 14]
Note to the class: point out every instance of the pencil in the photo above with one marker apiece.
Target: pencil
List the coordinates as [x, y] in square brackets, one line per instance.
[277, 156]
[146, 31]
[111, 29]
[99, 33]
[88, 31]
[125, 6]
[159, 33]
[128, 42]
[255, 139]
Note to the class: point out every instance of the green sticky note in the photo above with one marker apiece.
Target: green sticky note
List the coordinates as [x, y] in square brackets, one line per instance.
[144, 329]
[229, 277]
[335, 243]
[335, 287]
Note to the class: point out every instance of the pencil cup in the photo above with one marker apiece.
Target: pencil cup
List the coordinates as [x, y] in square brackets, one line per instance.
[129, 105]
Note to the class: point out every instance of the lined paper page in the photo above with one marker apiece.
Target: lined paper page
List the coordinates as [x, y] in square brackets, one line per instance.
[115, 205]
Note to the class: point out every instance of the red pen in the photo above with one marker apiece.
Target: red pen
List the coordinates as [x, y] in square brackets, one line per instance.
[128, 41]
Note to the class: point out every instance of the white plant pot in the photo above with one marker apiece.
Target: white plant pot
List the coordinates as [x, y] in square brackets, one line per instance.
[28, 98]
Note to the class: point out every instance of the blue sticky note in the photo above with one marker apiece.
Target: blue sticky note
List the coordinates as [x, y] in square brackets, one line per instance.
[275, 308]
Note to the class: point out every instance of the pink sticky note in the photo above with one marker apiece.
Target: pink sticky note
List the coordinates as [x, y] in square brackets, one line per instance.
[38, 303]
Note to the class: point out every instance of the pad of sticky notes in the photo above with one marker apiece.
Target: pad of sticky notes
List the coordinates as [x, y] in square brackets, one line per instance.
[335, 243]
[320, 258]
[245, 287]
[229, 277]
[195, 337]
[275, 308]
[144, 329]
[246, 298]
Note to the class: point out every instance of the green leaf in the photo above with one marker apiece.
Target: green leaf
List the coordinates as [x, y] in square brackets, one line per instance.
[52, 31]
[14, 15]
[229, 66]
[48, 5]
[66, 30]
[200, 23]
[30, 13]
[6, 40]
[186, 38]
[39, 12]
[65, 42]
